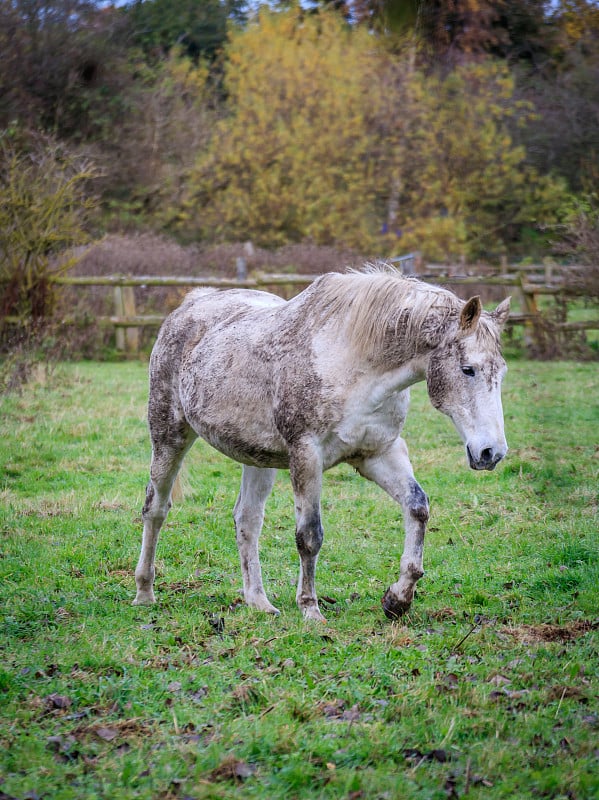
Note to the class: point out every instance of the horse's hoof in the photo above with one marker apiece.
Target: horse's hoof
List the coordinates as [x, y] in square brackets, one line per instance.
[144, 599]
[313, 613]
[260, 602]
[393, 607]
[266, 608]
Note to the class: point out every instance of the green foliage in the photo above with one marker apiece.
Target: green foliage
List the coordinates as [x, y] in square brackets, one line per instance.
[486, 689]
[44, 201]
[61, 68]
[199, 28]
[169, 119]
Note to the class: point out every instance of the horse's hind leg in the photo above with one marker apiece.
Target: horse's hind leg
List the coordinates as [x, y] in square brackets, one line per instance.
[167, 456]
[256, 485]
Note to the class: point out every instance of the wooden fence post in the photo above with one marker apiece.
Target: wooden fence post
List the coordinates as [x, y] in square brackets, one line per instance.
[533, 332]
[119, 333]
[127, 339]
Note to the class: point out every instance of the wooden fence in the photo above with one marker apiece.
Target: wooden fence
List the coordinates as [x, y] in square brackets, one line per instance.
[526, 285]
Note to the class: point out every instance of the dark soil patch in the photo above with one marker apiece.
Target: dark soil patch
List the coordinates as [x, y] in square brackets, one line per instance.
[546, 632]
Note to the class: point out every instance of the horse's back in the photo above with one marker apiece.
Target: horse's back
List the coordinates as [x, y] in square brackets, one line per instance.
[199, 312]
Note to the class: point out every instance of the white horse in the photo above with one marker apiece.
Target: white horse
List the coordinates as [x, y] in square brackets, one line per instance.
[311, 382]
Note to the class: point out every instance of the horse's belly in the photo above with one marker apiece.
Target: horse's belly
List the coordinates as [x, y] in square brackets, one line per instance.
[255, 451]
[240, 428]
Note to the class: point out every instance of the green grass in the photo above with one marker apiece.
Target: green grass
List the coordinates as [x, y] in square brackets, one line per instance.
[488, 688]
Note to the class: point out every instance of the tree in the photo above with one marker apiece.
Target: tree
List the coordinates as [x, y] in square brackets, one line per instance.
[578, 19]
[60, 61]
[455, 31]
[466, 187]
[291, 160]
[197, 28]
[332, 138]
[169, 120]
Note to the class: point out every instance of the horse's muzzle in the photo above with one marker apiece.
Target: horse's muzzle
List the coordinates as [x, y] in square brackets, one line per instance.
[488, 458]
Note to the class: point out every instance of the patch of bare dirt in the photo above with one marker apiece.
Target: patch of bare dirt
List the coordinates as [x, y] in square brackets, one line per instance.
[547, 632]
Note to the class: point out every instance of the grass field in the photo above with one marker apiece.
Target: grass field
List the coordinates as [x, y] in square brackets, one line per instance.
[487, 689]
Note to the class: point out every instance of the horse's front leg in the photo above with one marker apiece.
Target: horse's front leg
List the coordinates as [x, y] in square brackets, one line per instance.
[392, 471]
[306, 477]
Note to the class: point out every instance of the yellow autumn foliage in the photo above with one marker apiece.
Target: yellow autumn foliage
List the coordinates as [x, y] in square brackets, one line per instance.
[292, 160]
[331, 138]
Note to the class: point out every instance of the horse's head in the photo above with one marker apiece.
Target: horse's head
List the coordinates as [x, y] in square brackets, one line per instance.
[464, 381]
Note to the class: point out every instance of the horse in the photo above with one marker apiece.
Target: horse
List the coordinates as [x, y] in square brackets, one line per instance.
[311, 382]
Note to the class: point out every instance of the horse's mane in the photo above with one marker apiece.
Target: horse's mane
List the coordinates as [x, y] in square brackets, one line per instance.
[377, 299]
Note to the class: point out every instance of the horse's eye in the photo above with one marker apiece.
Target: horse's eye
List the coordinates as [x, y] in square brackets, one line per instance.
[469, 371]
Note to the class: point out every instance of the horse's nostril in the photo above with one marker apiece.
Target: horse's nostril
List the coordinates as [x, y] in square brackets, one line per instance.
[486, 455]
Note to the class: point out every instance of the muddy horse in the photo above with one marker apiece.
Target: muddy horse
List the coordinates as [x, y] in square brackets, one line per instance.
[309, 383]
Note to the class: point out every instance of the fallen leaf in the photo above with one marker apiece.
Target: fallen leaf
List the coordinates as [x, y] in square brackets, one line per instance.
[64, 747]
[199, 694]
[498, 680]
[60, 701]
[442, 614]
[232, 769]
[352, 714]
[547, 632]
[217, 623]
[332, 709]
[244, 693]
[478, 780]
[413, 754]
[107, 734]
[448, 682]
[174, 686]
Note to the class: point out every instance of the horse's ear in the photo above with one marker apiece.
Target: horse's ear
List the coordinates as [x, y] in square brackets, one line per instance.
[502, 312]
[470, 315]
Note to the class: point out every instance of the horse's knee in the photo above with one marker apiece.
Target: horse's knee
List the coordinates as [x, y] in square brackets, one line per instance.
[418, 504]
[309, 538]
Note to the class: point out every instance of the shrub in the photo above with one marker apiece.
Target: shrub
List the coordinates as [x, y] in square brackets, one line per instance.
[44, 204]
[581, 244]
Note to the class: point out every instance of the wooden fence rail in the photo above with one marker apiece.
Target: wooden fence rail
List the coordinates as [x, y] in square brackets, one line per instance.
[128, 322]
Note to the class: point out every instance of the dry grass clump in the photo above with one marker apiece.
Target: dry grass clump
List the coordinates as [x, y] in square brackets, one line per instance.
[151, 254]
[141, 254]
